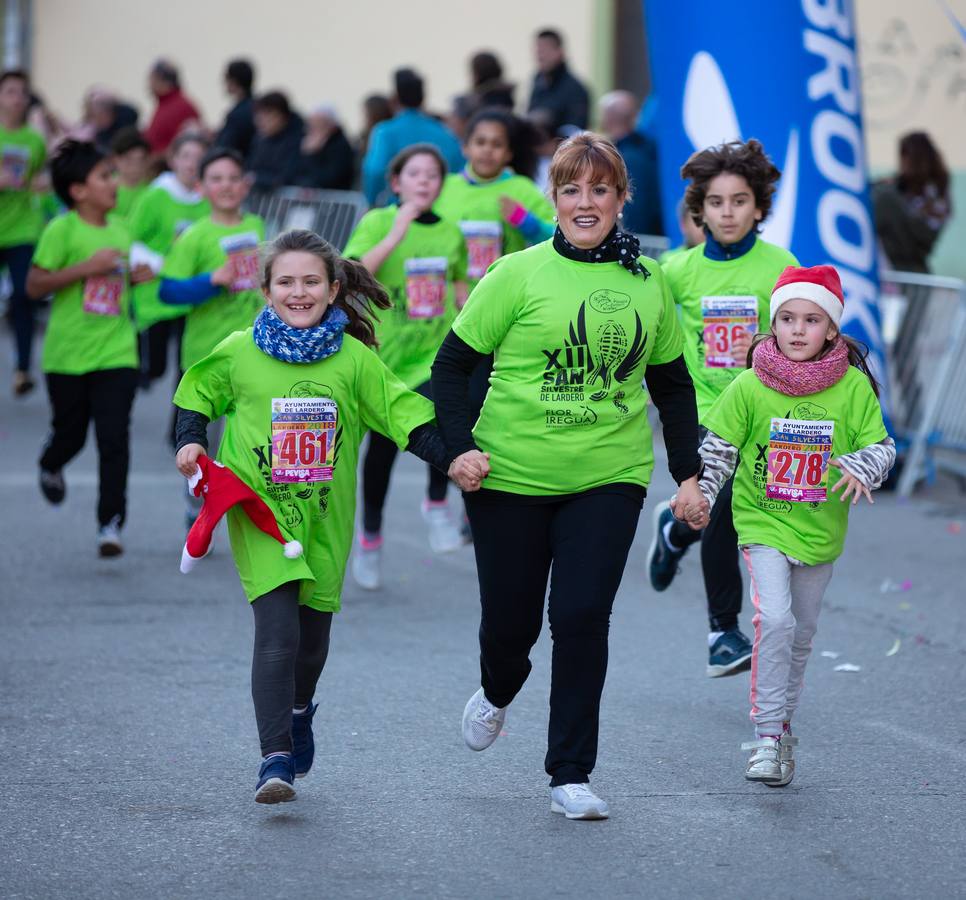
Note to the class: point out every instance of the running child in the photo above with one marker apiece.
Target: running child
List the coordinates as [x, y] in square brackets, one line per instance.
[90, 348]
[421, 260]
[805, 412]
[308, 355]
[132, 155]
[22, 155]
[722, 289]
[168, 207]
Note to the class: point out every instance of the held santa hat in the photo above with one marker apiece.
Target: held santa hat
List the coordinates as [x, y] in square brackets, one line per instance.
[820, 284]
[221, 489]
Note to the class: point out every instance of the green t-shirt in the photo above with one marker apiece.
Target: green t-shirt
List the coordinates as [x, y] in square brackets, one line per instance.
[127, 199]
[268, 405]
[204, 247]
[475, 207]
[419, 276]
[157, 220]
[716, 298]
[782, 496]
[566, 410]
[22, 155]
[90, 325]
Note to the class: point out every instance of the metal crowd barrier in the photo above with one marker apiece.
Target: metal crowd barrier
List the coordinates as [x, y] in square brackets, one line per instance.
[331, 214]
[653, 245]
[925, 329]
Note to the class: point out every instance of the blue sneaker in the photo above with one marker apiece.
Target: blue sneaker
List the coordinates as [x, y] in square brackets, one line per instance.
[730, 654]
[303, 744]
[275, 779]
[662, 560]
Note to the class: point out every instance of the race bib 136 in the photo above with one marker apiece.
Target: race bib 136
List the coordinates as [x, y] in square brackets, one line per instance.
[725, 320]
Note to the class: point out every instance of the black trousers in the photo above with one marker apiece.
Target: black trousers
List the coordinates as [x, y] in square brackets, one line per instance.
[580, 543]
[17, 260]
[719, 560]
[155, 343]
[291, 647]
[105, 397]
[377, 466]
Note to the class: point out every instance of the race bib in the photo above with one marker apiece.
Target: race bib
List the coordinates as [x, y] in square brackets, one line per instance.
[15, 161]
[725, 320]
[303, 439]
[102, 293]
[242, 253]
[798, 455]
[426, 286]
[484, 246]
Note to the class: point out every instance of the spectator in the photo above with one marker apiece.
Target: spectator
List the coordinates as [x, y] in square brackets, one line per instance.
[691, 234]
[554, 88]
[276, 147]
[239, 128]
[327, 160]
[107, 115]
[410, 125]
[618, 115]
[912, 207]
[174, 109]
[376, 108]
[489, 88]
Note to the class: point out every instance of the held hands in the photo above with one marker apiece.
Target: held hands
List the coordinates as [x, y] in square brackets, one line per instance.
[469, 469]
[740, 346]
[103, 262]
[689, 505]
[187, 459]
[141, 273]
[853, 485]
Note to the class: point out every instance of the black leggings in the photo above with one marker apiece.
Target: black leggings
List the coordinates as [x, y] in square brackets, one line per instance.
[580, 543]
[719, 561]
[291, 646]
[377, 470]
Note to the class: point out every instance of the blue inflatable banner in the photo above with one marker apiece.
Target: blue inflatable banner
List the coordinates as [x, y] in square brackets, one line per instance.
[784, 73]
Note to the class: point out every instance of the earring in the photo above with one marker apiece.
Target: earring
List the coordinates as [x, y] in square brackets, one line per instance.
[620, 215]
[555, 218]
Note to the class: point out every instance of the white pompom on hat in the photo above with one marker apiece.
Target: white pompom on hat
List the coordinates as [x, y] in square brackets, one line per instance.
[820, 284]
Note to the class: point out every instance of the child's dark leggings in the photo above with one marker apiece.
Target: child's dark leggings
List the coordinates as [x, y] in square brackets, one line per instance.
[291, 646]
[377, 470]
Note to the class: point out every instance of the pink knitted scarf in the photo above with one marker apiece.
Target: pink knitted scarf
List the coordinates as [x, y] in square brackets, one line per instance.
[798, 379]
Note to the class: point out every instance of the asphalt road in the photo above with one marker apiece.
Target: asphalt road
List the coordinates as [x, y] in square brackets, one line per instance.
[131, 752]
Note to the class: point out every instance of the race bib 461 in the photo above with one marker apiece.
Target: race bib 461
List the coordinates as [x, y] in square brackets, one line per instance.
[798, 455]
[303, 439]
[725, 320]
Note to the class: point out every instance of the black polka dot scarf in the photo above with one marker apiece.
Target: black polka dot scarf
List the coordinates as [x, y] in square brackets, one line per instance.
[619, 246]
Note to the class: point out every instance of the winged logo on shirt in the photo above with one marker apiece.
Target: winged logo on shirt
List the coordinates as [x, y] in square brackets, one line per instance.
[615, 357]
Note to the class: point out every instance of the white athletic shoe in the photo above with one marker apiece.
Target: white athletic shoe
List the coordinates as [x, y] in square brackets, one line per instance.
[482, 721]
[367, 565]
[109, 538]
[577, 801]
[764, 764]
[444, 534]
[786, 759]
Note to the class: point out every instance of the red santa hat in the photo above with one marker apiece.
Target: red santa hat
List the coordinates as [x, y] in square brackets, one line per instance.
[820, 284]
[220, 489]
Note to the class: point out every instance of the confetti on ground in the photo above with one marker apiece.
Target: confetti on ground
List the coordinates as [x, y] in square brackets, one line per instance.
[830, 654]
[906, 585]
[905, 606]
[954, 527]
[848, 667]
[894, 649]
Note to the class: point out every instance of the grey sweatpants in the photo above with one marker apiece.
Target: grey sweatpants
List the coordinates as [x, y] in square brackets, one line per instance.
[787, 597]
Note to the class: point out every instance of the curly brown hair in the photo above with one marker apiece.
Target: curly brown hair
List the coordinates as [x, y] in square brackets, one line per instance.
[747, 159]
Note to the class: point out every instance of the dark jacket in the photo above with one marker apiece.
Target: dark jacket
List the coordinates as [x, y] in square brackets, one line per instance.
[562, 95]
[274, 160]
[643, 214]
[332, 167]
[239, 128]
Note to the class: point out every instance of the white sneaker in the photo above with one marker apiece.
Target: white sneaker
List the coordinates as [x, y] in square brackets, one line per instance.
[577, 801]
[109, 538]
[444, 535]
[367, 564]
[786, 759]
[764, 764]
[482, 721]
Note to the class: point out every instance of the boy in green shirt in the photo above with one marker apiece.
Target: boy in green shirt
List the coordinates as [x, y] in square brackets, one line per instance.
[90, 349]
[22, 155]
[131, 156]
[722, 289]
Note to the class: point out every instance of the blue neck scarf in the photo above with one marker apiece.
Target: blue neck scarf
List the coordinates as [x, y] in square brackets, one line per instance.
[299, 345]
[723, 252]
